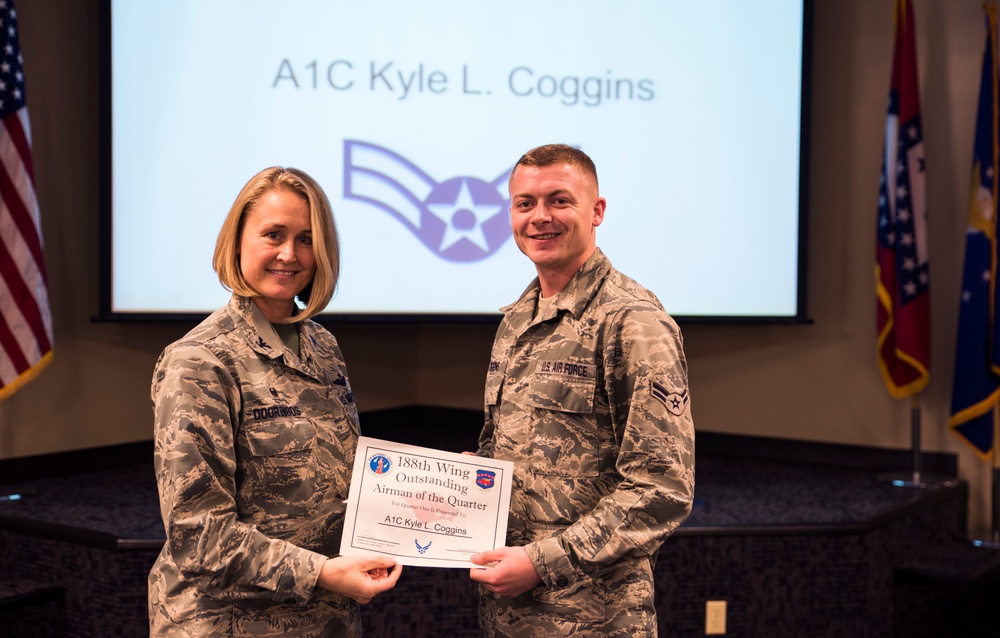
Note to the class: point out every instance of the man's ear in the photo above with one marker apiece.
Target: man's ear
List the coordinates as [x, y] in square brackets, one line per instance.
[599, 207]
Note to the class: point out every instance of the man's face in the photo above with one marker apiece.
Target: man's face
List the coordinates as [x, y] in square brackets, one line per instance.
[554, 211]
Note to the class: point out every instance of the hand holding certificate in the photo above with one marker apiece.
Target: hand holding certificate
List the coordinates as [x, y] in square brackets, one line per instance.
[425, 507]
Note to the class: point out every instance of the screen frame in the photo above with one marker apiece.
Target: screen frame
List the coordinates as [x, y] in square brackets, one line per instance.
[106, 314]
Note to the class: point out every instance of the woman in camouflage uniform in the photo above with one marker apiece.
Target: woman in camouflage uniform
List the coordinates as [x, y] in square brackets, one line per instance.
[256, 430]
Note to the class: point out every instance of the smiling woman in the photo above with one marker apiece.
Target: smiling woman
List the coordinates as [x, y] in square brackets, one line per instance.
[276, 253]
[278, 243]
[256, 430]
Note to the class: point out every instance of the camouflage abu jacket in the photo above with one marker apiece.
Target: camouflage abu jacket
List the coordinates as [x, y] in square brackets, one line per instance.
[253, 453]
[590, 401]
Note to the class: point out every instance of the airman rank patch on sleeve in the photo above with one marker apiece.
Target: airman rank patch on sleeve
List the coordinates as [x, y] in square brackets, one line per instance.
[675, 402]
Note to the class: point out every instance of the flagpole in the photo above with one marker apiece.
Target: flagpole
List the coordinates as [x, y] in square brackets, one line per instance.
[996, 475]
[991, 12]
[993, 537]
[918, 456]
[996, 504]
[916, 477]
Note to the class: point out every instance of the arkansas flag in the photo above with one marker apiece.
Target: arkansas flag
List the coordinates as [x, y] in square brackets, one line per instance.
[25, 318]
[976, 386]
[901, 264]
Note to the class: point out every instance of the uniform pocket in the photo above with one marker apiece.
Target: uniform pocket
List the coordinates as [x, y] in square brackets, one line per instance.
[561, 391]
[280, 437]
[279, 488]
[575, 605]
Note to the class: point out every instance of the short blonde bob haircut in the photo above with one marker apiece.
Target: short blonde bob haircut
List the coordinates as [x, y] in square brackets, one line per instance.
[325, 240]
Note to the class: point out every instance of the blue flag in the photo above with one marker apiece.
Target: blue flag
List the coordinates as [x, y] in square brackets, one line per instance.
[976, 387]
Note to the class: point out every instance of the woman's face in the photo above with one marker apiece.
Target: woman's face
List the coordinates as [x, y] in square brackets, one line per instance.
[276, 252]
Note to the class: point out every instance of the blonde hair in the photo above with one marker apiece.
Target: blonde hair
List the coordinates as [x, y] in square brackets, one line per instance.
[326, 242]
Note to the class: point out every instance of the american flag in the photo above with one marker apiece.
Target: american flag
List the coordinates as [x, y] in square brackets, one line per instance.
[901, 263]
[25, 318]
[976, 386]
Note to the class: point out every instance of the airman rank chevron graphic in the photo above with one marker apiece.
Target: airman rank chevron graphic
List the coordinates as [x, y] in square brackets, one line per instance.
[461, 219]
[675, 402]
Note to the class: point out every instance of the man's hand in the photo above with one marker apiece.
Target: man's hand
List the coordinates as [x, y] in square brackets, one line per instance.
[359, 577]
[508, 572]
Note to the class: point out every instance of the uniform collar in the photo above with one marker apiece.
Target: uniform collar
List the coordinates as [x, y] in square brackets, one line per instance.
[259, 333]
[574, 297]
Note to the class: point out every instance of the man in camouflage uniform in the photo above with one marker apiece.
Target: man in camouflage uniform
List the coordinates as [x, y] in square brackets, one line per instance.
[587, 394]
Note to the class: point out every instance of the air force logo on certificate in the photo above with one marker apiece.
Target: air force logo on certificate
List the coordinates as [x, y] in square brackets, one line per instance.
[425, 507]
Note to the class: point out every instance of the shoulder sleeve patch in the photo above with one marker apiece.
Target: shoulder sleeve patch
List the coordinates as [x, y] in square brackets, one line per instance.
[675, 402]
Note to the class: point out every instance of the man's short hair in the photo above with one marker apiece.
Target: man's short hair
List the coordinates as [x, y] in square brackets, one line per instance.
[552, 154]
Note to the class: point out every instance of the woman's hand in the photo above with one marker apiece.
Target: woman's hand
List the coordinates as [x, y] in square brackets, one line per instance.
[359, 577]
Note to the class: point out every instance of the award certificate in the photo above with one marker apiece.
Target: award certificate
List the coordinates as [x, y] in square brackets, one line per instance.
[425, 507]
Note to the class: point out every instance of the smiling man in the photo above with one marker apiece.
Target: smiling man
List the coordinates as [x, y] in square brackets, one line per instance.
[587, 395]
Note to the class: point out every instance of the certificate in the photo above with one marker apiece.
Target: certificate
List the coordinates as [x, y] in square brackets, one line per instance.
[425, 507]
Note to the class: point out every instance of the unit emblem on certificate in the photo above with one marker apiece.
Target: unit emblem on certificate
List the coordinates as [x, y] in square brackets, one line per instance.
[485, 479]
[379, 464]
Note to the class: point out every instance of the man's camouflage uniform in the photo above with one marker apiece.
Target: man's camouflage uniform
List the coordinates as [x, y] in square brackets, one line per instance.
[590, 401]
[254, 446]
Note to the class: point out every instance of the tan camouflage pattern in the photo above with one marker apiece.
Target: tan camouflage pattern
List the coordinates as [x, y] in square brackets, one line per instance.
[590, 401]
[253, 452]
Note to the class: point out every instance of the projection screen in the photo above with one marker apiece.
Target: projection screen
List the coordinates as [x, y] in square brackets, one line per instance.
[411, 116]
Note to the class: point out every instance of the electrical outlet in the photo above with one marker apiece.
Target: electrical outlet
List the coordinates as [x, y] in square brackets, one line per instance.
[715, 617]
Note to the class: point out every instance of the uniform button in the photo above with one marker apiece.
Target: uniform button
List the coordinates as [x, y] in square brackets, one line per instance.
[563, 581]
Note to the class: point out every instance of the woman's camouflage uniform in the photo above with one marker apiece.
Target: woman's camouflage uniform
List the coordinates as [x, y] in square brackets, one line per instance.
[590, 401]
[254, 446]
